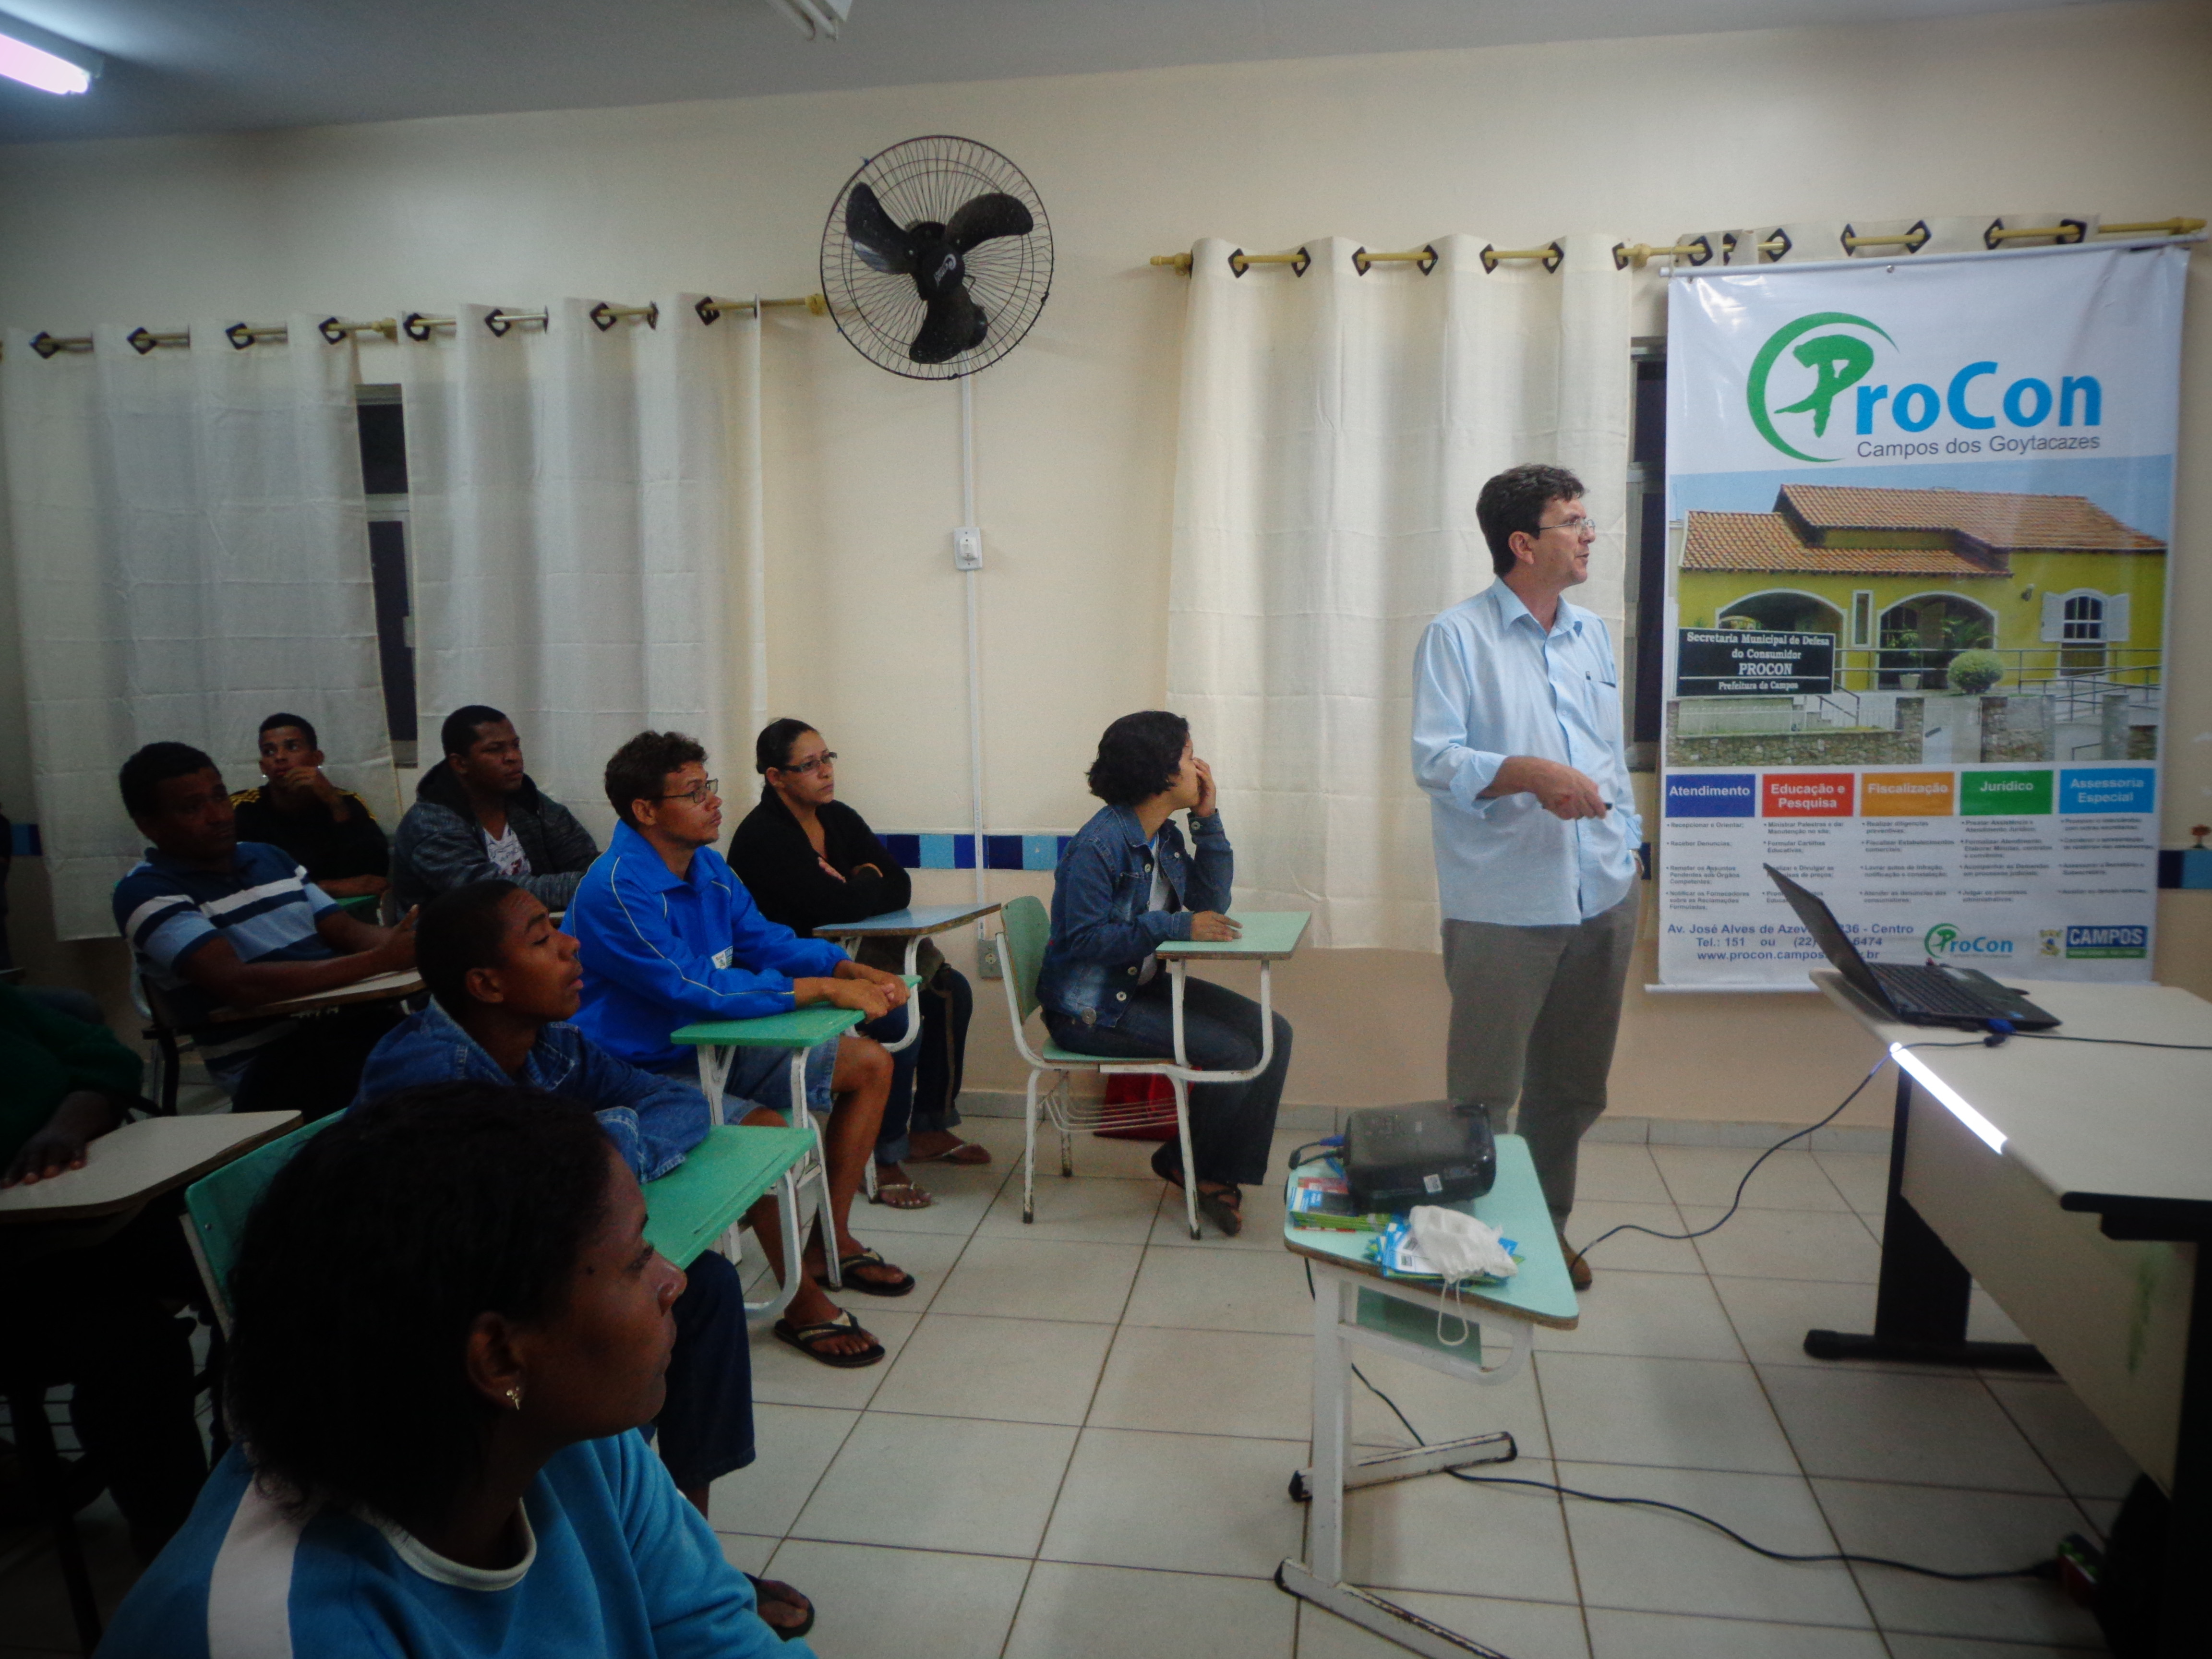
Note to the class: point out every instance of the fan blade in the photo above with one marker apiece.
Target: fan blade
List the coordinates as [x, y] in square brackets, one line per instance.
[875, 237]
[994, 215]
[953, 326]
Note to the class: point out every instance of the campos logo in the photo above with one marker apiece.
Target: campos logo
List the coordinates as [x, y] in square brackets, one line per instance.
[1943, 939]
[1843, 357]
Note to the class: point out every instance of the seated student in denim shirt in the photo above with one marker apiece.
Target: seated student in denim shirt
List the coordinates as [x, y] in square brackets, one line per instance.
[447, 1323]
[503, 983]
[1124, 887]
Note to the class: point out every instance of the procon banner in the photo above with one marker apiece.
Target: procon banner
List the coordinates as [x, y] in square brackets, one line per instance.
[1919, 516]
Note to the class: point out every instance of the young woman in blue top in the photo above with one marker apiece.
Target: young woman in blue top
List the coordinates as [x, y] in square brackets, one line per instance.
[448, 1325]
[1124, 887]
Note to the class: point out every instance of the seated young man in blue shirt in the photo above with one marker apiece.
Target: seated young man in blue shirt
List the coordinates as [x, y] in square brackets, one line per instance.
[216, 922]
[504, 983]
[670, 936]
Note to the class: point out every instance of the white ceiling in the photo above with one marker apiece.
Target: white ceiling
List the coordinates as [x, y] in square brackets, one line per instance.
[179, 66]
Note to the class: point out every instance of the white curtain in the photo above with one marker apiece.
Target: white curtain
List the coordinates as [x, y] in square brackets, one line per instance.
[1336, 429]
[583, 526]
[190, 555]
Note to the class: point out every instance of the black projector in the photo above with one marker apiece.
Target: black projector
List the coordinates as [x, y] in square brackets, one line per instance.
[1435, 1153]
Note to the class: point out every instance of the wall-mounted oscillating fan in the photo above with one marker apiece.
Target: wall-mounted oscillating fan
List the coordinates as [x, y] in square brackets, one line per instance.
[937, 257]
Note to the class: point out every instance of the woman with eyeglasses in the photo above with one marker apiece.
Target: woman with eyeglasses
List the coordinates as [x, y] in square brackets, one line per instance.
[810, 861]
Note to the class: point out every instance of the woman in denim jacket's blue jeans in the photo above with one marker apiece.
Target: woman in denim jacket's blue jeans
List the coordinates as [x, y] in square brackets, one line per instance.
[1124, 885]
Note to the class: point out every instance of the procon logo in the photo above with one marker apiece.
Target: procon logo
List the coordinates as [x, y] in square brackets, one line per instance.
[1943, 939]
[1839, 362]
[1834, 352]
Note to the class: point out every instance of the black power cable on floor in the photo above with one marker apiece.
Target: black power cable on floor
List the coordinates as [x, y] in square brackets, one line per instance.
[1736, 1203]
[2047, 1569]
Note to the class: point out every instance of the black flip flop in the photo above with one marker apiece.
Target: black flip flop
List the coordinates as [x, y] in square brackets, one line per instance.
[807, 1340]
[790, 1598]
[900, 1286]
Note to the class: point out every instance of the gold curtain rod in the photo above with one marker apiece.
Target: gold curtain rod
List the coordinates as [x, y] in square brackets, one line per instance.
[1698, 250]
[416, 325]
[817, 305]
[334, 330]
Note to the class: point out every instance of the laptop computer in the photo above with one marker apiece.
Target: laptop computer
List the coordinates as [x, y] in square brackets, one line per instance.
[1931, 995]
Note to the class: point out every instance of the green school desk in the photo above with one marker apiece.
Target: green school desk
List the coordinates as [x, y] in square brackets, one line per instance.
[1355, 1307]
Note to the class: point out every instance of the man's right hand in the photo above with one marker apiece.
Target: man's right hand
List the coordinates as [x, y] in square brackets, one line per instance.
[396, 953]
[1560, 789]
[870, 1000]
[1211, 927]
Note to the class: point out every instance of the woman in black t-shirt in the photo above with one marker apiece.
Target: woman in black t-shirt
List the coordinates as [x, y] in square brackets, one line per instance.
[809, 861]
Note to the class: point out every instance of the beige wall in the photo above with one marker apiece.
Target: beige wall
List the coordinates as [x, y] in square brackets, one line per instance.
[2097, 109]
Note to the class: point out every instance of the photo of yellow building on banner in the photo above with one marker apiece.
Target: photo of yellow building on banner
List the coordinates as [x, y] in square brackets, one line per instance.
[1967, 625]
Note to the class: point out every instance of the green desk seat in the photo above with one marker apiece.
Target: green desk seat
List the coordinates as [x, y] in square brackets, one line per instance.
[802, 1027]
[725, 1175]
[1540, 1292]
[686, 1211]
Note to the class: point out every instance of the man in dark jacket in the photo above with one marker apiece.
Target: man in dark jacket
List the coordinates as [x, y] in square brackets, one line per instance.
[476, 815]
[329, 830]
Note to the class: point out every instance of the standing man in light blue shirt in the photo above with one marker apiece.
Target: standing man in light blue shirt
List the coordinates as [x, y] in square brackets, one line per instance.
[1517, 741]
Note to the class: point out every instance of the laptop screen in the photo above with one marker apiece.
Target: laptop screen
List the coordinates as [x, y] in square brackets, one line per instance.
[1820, 922]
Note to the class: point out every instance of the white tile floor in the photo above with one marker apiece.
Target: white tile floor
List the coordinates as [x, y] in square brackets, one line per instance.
[1080, 1444]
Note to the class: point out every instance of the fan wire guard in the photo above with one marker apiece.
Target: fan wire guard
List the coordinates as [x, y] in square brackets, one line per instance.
[879, 313]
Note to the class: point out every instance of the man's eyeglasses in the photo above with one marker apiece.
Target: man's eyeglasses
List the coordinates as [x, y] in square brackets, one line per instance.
[805, 767]
[1574, 526]
[699, 793]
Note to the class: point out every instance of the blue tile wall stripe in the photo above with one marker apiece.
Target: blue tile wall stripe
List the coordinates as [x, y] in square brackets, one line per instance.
[923, 849]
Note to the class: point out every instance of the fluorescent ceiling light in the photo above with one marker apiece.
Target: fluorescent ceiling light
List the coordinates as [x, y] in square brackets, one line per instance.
[1991, 1135]
[45, 61]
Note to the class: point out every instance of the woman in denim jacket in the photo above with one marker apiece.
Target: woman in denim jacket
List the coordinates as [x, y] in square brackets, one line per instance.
[1124, 885]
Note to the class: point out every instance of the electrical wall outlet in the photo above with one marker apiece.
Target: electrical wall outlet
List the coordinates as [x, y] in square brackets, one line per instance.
[967, 548]
[986, 958]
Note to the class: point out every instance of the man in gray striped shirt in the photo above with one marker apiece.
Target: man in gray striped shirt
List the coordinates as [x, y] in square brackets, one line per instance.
[218, 923]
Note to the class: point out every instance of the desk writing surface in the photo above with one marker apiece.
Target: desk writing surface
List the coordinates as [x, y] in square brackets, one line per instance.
[1269, 935]
[690, 1206]
[916, 920]
[1540, 1292]
[2081, 1117]
[802, 1027]
[141, 1160]
[377, 987]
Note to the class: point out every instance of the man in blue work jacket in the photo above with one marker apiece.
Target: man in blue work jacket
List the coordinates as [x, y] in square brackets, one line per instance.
[1517, 741]
[668, 936]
